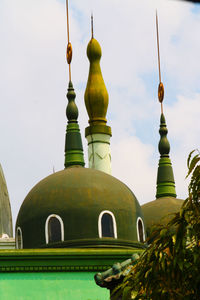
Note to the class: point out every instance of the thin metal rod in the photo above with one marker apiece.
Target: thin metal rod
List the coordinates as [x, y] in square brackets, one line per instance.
[161, 108]
[67, 20]
[70, 72]
[69, 48]
[158, 46]
[92, 25]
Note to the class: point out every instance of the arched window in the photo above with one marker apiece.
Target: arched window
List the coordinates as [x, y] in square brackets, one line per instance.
[54, 229]
[140, 230]
[107, 224]
[19, 239]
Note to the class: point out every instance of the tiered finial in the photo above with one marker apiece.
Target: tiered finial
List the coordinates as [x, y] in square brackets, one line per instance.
[73, 142]
[165, 176]
[72, 110]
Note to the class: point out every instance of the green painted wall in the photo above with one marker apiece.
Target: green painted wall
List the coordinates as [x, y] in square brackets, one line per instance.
[50, 286]
[56, 274]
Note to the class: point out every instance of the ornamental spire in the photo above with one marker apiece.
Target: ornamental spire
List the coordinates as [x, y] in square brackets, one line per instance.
[165, 176]
[96, 95]
[96, 101]
[73, 142]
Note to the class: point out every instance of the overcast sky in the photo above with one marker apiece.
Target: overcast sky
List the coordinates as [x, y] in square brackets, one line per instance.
[34, 78]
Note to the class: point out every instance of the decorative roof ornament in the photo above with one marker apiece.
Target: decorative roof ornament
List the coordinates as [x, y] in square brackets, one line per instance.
[96, 95]
[165, 176]
[73, 142]
[96, 101]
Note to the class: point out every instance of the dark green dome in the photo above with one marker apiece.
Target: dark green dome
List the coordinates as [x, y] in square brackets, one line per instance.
[79, 196]
[160, 210]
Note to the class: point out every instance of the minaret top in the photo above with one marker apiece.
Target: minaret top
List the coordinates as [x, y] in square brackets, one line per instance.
[165, 176]
[73, 142]
[96, 95]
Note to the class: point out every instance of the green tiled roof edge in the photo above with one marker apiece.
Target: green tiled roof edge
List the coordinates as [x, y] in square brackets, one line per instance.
[56, 260]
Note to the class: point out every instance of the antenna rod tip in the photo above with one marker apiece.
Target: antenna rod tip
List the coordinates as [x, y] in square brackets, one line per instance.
[92, 26]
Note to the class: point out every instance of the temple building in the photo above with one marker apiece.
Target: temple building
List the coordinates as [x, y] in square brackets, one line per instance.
[80, 221]
[156, 212]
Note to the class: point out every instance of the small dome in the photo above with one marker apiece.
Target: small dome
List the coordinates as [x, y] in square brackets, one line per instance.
[160, 211]
[81, 199]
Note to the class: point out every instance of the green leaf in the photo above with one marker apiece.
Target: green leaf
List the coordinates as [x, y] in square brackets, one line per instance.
[169, 268]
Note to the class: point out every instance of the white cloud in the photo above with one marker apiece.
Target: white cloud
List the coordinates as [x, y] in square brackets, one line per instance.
[183, 121]
[132, 163]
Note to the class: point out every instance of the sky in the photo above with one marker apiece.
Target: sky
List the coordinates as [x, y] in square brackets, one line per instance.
[34, 79]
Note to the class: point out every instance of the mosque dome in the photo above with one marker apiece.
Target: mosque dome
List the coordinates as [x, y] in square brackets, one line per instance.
[79, 207]
[160, 210]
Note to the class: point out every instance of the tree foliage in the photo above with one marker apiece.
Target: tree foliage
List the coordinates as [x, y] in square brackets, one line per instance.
[170, 267]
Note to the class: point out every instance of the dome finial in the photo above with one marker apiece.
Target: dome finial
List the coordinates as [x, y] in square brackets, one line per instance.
[96, 95]
[73, 142]
[96, 101]
[164, 146]
[165, 176]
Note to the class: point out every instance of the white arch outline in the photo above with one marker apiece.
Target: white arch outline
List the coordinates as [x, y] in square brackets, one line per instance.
[114, 223]
[46, 227]
[138, 235]
[17, 244]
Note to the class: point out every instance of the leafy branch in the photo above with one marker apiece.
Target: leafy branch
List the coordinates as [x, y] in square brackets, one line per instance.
[169, 268]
